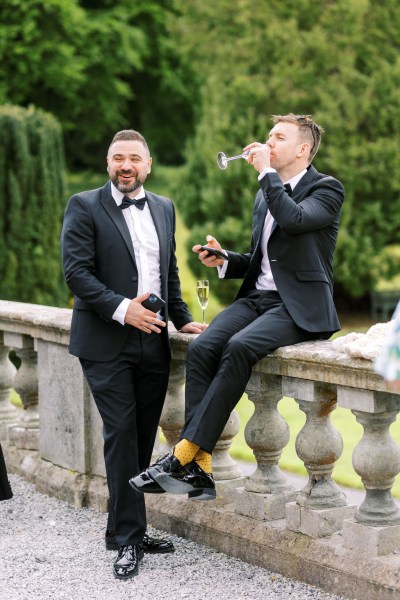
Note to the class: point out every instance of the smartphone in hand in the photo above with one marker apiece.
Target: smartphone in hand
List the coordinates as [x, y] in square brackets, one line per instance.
[214, 252]
[154, 303]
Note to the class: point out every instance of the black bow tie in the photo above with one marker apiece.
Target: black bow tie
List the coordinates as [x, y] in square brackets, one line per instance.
[129, 201]
[288, 188]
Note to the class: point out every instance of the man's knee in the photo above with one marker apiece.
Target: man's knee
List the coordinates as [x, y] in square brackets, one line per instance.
[238, 349]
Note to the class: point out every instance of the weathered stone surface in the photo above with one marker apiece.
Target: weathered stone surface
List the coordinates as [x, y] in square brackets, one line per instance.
[372, 541]
[263, 507]
[322, 562]
[317, 523]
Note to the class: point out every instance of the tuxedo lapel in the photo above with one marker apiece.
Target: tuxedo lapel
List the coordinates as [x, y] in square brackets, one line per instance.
[258, 222]
[157, 212]
[300, 188]
[117, 217]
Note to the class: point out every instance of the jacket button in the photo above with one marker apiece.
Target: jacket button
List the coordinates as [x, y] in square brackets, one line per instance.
[134, 278]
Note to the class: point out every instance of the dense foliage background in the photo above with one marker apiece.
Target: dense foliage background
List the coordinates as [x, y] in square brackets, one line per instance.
[32, 174]
[200, 77]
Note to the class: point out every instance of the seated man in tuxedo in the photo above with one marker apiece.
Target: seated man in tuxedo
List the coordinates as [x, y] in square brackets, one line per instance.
[286, 296]
[118, 245]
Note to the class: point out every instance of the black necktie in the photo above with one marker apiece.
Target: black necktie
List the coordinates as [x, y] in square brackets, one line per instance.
[288, 188]
[129, 201]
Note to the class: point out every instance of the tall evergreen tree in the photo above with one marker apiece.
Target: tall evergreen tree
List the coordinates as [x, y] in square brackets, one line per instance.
[337, 60]
[32, 197]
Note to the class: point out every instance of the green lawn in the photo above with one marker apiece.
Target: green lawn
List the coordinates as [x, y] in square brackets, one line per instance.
[163, 182]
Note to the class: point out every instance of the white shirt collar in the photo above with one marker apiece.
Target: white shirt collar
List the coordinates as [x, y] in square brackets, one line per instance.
[295, 180]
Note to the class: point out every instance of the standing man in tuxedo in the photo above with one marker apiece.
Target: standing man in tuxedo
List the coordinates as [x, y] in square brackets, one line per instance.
[285, 297]
[118, 246]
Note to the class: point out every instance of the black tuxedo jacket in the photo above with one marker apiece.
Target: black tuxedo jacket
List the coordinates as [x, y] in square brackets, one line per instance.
[300, 248]
[100, 269]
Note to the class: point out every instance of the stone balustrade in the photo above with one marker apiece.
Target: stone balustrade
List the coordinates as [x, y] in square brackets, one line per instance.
[55, 441]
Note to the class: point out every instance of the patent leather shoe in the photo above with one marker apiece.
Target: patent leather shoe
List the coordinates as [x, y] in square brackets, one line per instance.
[167, 464]
[143, 483]
[156, 545]
[190, 479]
[126, 564]
[149, 544]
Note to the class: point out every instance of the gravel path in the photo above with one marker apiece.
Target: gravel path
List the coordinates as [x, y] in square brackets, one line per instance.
[50, 551]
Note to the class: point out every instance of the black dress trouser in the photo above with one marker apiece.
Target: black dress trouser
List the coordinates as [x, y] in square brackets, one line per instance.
[129, 392]
[5, 488]
[220, 360]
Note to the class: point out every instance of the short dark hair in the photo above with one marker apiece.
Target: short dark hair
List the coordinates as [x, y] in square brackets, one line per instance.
[309, 130]
[129, 135]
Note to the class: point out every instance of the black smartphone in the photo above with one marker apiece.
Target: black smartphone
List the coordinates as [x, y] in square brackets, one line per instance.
[154, 303]
[214, 252]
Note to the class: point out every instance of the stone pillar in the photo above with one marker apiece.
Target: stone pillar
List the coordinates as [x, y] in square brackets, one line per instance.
[8, 413]
[223, 466]
[25, 434]
[321, 506]
[173, 414]
[376, 458]
[266, 491]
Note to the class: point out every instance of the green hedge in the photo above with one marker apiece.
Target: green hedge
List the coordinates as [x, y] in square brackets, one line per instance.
[32, 198]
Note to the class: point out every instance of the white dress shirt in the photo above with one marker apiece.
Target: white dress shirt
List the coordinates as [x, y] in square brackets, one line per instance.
[265, 279]
[146, 248]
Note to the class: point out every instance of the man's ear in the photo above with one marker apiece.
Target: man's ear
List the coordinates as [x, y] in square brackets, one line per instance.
[304, 149]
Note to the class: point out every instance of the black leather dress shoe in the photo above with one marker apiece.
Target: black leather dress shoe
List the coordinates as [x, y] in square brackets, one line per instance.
[127, 562]
[156, 545]
[190, 479]
[149, 544]
[168, 463]
[143, 483]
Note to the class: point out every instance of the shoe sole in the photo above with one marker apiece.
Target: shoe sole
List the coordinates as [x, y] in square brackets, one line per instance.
[202, 494]
[173, 486]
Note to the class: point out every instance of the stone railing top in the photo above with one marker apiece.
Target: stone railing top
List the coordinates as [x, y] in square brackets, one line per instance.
[44, 322]
[322, 361]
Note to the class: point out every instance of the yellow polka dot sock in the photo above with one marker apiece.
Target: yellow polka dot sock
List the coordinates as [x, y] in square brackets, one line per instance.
[185, 451]
[204, 460]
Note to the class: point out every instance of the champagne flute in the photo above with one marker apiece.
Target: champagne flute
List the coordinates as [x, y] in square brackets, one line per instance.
[223, 160]
[202, 290]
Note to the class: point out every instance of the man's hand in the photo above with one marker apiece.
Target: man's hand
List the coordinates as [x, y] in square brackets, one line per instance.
[259, 155]
[207, 259]
[140, 317]
[194, 327]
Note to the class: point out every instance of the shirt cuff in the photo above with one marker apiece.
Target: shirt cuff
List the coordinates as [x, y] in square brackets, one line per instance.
[222, 268]
[265, 171]
[120, 313]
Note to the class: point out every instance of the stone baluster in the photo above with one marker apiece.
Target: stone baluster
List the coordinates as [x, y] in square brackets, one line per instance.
[8, 413]
[376, 458]
[266, 491]
[320, 507]
[173, 414]
[25, 434]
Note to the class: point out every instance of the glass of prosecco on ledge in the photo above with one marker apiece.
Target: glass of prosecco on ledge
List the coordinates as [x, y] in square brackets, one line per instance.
[202, 290]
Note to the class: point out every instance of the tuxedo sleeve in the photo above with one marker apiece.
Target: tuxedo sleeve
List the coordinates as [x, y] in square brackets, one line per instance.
[317, 210]
[78, 245]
